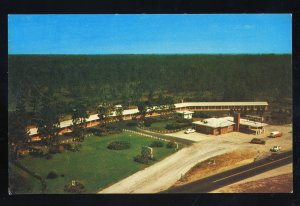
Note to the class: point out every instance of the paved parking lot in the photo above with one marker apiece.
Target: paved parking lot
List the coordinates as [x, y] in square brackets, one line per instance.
[242, 139]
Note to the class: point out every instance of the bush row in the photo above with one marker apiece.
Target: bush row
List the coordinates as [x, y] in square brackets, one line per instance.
[174, 126]
[104, 130]
[171, 145]
[157, 143]
[119, 145]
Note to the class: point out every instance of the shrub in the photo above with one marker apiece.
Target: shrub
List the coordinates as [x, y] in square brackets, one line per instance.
[201, 115]
[132, 124]
[157, 143]
[48, 156]
[93, 131]
[147, 152]
[106, 130]
[52, 175]
[56, 149]
[171, 145]
[172, 126]
[182, 120]
[119, 145]
[72, 146]
[149, 121]
[142, 159]
[77, 187]
[62, 175]
[52, 150]
[147, 124]
[39, 151]
[69, 134]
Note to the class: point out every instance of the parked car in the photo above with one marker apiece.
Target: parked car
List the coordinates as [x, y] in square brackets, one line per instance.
[189, 131]
[257, 141]
[275, 149]
[275, 134]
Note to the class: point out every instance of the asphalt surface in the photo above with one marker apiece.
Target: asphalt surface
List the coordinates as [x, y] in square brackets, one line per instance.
[229, 177]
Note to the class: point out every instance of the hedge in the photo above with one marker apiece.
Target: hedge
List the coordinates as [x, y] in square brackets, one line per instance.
[119, 145]
[142, 159]
[171, 145]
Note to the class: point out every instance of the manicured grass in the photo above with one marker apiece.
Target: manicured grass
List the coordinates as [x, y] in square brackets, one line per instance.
[161, 124]
[22, 182]
[94, 165]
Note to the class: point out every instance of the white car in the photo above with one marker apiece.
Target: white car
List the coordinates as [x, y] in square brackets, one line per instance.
[275, 149]
[189, 131]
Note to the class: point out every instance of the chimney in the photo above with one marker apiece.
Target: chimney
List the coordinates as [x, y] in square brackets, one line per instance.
[237, 117]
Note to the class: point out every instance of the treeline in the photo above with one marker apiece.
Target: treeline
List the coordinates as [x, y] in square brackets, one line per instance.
[126, 79]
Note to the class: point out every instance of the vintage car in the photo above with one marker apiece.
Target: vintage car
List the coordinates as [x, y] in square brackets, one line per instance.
[257, 141]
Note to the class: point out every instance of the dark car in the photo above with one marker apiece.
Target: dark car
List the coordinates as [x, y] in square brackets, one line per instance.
[257, 141]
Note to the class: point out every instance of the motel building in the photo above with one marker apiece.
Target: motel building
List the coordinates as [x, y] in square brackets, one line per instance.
[185, 114]
[213, 126]
[223, 125]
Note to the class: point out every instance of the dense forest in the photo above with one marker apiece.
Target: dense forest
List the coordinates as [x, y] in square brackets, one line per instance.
[126, 79]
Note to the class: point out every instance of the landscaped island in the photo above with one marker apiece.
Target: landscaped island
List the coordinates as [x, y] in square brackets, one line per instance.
[94, 165]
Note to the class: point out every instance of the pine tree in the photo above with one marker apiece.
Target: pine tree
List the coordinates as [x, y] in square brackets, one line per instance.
[48, 123]
[18, 132]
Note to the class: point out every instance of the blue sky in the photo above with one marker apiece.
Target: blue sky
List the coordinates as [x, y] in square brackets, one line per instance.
[150, 34]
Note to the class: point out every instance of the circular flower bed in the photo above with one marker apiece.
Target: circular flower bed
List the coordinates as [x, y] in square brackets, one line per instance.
[119, 145]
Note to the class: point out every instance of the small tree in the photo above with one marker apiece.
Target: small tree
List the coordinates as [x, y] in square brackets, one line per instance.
[48, 121]
[18, 132]
[104, 111]
[79, 116]
[142, 107]
[150, 103]
[119, 113]
[170, 107]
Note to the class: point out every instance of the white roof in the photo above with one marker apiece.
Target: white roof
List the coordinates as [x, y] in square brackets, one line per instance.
[227, 121]
[252, 123]
[205, 104]
[249, 122]
[215, 122]
[33, 131]
[130, 111]
[185, 112]
[93, 117]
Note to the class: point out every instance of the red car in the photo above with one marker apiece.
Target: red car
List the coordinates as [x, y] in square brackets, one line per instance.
[275, 134]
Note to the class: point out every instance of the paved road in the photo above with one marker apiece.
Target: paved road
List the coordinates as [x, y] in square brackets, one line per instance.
[162, 175]
[220, 180]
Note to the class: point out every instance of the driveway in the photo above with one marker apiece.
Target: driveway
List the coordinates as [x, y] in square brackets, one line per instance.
[165, 173]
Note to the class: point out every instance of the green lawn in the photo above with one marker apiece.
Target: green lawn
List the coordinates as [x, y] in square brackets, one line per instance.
[162, 124]
[21, 182]
[94, 165]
